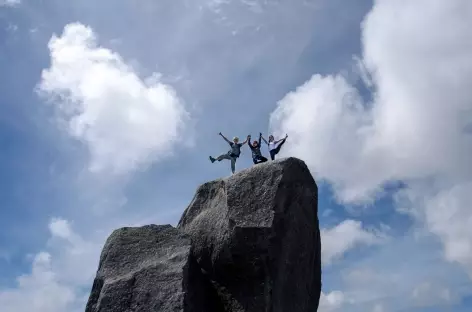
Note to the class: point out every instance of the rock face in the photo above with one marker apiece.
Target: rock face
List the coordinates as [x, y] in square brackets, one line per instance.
[256, 235]
[247, 243]
[146, 269]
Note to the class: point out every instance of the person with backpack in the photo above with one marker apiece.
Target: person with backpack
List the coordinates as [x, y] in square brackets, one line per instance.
[233, 153]
[274, 149]
[255, 147]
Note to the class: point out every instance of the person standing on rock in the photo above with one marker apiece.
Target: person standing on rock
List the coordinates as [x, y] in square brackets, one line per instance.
[274, 149]
[255, 147]
[233, 153]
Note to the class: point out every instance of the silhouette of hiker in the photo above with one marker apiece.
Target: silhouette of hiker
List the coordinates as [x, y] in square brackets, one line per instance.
[233, 153]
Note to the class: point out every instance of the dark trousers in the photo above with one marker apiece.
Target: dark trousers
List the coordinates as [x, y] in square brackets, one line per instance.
[276, 150]
[257, 159]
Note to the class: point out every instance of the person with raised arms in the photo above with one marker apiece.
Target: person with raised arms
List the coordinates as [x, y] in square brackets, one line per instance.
[233, 153]
[255, 147]
[274, 149]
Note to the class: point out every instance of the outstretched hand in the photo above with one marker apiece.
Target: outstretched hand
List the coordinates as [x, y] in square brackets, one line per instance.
[219, 133]
[260, 134]
[286, 135]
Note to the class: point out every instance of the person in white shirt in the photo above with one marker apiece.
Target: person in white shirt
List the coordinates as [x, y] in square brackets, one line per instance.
[274, 149]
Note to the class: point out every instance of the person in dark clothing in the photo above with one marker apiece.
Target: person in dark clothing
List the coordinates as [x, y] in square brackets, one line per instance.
[255, 147]
[233, 153]
[274, 149]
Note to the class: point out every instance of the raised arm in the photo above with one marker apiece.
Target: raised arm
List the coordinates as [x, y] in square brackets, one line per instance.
[281, 139]
[224, 138]
[260, 138]
[247, 140]
[264, 139]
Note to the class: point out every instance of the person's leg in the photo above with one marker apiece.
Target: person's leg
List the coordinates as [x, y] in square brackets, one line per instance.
[233, 164]
[255, 161]
[259, 159]
[223, 156]
[277, 149]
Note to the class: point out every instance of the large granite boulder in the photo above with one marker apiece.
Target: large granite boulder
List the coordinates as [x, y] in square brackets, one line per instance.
[147, 268]
[256, 237]
[247, 243]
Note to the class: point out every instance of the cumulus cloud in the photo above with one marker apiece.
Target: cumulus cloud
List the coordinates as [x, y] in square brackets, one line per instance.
[399, 269]
[126, 122]
[331, 302]
[56, 276]
[60, 228]
[415, 128]
[39, 291]
[448, 215]
[76, 257]
[326, 123]
[336, 241]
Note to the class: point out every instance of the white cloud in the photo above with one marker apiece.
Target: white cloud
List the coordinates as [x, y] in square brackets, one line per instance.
[416, 129]
[9, 2]
[336, 241]
[363, 276]
[449, 215]
[57, 275]
[331, 302]
[427, 294]
[389, 277]
[77, 258]
[124, 121]
[60, 228]
[366, 287]
[40, 291]
[325, 121]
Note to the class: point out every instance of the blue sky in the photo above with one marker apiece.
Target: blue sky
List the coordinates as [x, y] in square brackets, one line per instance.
[108, 113]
